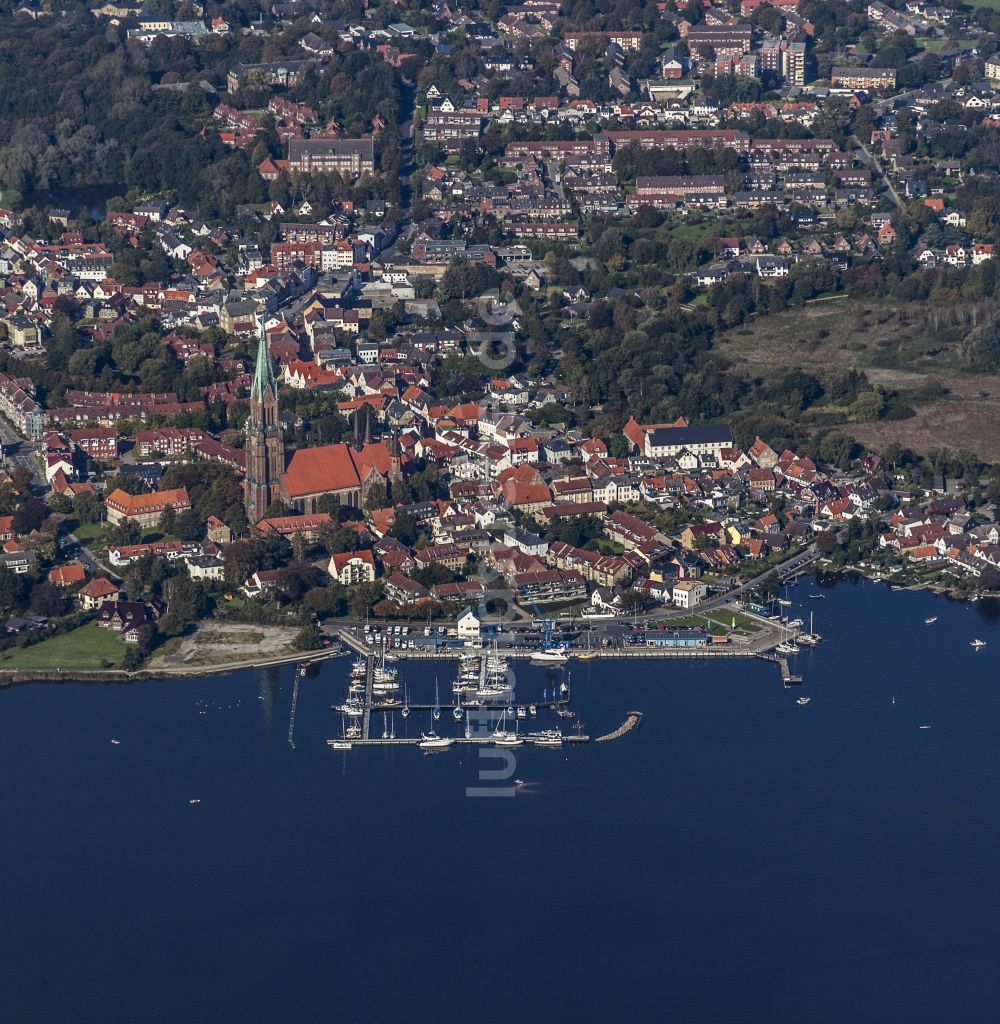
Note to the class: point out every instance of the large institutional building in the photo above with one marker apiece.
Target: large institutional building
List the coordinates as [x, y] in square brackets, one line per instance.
[347, 472]
[344, 156]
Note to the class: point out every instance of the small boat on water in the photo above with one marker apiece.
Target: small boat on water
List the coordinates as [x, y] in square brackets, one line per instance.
[552, 655]
[341, 744]
[978, 644]
[522, 712]
[195, 801]
[924, 726]
[430, 741]
[786, 648]
[532, 710]
[930, 621]
[803, 700]
[116, 743]
[817, 597]
[548, 738]
[795, 623]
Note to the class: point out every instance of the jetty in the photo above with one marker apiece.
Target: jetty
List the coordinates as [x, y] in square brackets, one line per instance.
[634, 718]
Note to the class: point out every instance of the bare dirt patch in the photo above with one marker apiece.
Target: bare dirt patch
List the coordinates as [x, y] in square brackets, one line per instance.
[219, 643]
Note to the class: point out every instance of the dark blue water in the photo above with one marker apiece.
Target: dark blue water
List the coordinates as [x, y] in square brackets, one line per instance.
[739, 858]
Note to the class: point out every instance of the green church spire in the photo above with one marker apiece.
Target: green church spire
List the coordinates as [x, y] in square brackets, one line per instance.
[263, 374]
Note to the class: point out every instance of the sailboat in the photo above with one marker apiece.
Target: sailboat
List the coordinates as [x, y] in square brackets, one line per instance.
[588, 654]
[384, 677]
[405, 712]
[978, 644]
[345, 743]
[930, 621]
[437, 702]
[502, 737]
[810, 639]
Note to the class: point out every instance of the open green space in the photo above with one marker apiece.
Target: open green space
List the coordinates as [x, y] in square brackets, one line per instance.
[88, 533]
[87, 647]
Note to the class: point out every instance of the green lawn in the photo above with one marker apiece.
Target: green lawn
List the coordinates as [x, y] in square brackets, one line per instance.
[87, 533]
[87, 647]
[726, 618]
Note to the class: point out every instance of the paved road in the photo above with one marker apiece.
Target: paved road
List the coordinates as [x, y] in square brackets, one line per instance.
[866, 157]
[18, 451]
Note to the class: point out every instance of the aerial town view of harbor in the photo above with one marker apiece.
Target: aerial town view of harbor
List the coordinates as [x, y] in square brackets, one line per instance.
[589, 408]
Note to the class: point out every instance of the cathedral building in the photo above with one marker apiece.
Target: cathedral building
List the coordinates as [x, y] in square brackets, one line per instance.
[347, 472]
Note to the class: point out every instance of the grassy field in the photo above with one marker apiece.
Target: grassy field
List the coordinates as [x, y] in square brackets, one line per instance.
[88, 533]
[87, 647]
[899, 347]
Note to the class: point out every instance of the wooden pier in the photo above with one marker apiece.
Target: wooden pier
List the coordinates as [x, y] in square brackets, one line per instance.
[466, 741]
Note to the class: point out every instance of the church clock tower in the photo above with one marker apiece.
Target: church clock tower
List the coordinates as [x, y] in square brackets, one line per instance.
[264, 448]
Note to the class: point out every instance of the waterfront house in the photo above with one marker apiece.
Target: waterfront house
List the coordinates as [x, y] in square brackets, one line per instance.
[124, 617]
[689, 593]
[468, 625]
[93, 594]
[677, 638]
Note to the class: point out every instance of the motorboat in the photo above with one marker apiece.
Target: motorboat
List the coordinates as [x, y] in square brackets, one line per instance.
[924, 727]
[553, 655]
[930, 621]
[195, 801]
[549, 738]
[803, 700]
[978, 644]
[341, 744]
[522, 712]
[431, 741]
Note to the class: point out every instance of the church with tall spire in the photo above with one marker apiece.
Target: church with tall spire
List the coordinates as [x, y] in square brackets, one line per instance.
[265, 449]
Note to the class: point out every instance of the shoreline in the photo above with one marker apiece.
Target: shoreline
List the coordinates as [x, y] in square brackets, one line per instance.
[352, 645]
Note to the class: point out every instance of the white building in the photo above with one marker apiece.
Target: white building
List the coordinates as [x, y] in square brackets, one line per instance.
[689, 593]
[468, 625]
